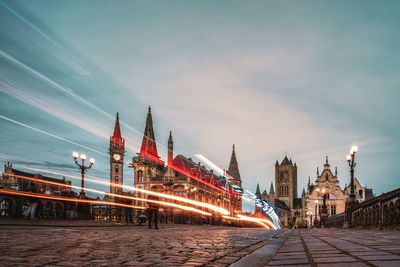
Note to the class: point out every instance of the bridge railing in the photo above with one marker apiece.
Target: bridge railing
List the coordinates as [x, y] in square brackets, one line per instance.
[380, 211]
[336, 220]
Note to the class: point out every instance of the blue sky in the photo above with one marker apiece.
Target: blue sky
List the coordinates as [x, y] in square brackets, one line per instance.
[309, 78]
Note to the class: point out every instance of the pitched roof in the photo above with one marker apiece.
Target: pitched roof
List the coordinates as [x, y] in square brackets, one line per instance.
[286, 161]
[281, 205]
[233, 169]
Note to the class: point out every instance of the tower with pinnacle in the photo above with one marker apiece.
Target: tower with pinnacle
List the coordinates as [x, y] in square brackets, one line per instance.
[116, 151]
[286, 181]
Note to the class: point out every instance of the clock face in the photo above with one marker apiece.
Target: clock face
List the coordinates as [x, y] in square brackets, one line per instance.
[116, 156]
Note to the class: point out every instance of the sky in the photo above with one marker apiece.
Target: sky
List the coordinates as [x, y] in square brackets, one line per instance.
[306, 78]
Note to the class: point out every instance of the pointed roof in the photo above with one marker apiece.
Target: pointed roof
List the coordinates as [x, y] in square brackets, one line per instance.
[258, 194]
[149, 146]
[233, 169]
[286, 161]
[277, 163]
[170, 137]
[271, 190]
[304, 192]
[117, 130]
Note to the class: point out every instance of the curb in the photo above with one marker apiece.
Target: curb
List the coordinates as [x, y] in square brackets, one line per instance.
[263, 255]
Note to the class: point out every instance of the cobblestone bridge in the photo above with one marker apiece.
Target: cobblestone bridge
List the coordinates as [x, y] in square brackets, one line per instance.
[176, 245]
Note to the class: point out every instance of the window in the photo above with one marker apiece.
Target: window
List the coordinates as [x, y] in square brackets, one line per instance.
[116, 180]
[286, 174]
[140, 176]
[333, 209]
[5, 207]
[326, 176]
[116, 168]
[360, 192]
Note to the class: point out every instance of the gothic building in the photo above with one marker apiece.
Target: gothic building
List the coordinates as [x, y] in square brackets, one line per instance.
[182, 176]
[327, 185]
[290, 208]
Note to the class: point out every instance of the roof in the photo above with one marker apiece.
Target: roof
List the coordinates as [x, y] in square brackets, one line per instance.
[368, 193]
[281, 205]
[31, 175]
[149, 146]
[286, 161]
[271, 190]
[233, 169]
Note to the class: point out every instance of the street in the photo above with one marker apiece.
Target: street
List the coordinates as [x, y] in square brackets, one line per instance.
[173, 245]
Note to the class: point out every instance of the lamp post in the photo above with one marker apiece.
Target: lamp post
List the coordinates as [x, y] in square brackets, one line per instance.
[83, 168]
[352, 197]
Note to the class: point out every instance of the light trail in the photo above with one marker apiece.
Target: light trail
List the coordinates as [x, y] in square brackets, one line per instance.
[253, 219]
[247, 219]
[172, 197]
[70, 199]
[52, 135]
[117, 195]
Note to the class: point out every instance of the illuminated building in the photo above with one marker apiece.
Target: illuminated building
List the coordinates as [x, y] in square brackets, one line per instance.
[16, 206]
[327, 184]
[182, 176]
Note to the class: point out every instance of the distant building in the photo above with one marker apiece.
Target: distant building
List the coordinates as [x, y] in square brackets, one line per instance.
[16, 206]
[327, 183]
[291, 209]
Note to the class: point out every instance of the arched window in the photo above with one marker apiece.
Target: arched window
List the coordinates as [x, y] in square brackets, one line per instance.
[116, 180]
[116, 168]
[326, 176]
[140, 175]
[5, 206]
[360, 193]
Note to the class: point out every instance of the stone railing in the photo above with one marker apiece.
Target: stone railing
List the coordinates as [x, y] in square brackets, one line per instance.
[336, 220]
[381, 211]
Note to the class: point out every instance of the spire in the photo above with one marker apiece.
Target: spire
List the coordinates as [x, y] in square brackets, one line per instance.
[116, 139]
[335, 171]
[277, 163]
[170, 148]
[149, 146]
[258, 194]
[233, 169]
[326, 165]
[271, 190]
[117, 130]
[317, 172]
[304, 193]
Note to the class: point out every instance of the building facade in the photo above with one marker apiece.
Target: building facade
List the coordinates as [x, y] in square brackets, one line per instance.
[182, 176]
[327, 187]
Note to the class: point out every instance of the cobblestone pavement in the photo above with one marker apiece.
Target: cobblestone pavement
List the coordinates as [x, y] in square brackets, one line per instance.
[337, 247]
[173, 245]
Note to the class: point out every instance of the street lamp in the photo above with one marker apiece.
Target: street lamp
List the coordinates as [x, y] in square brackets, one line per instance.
[352, 164]
[83, 168]
[352, 197]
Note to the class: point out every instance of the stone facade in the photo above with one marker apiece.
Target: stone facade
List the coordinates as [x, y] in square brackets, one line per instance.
[182, 176]
[327, 184]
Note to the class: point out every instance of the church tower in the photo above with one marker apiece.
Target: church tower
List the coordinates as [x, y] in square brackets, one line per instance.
[117, 150]
[286, 181]
[233, 169]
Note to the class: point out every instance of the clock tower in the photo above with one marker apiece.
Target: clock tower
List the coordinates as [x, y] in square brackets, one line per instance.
[117, 150]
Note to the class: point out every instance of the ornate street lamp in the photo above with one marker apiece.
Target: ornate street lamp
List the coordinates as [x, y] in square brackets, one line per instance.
[352, 197]
[352, 164]
[83, 168]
